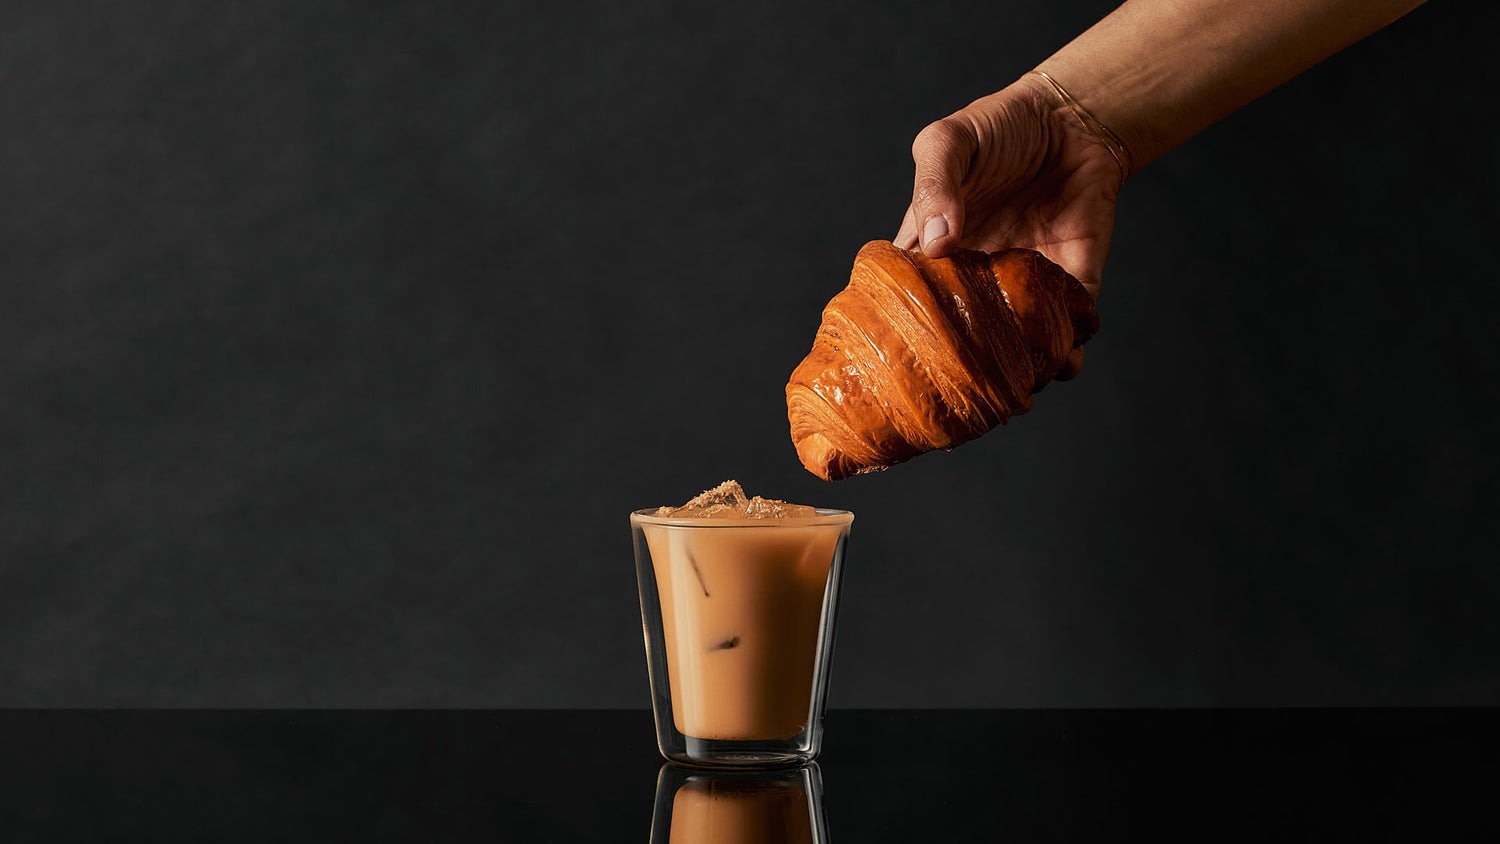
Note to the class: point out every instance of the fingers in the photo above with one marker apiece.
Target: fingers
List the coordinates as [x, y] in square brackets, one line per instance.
[941, 153]
[1083, 258]
[906, 236]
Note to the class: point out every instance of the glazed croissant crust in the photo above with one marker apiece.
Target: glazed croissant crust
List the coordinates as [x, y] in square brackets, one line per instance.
[923, 353]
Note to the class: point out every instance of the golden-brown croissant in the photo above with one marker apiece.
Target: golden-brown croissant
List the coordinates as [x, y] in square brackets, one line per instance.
[922, 353]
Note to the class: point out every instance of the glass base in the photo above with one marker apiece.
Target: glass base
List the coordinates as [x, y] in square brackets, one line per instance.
[708, 754]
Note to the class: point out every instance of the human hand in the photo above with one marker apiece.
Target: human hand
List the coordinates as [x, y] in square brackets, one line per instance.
[1016, 169]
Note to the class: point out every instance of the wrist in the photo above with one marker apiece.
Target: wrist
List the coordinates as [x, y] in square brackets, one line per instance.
[1117, 102]
[1071, 111]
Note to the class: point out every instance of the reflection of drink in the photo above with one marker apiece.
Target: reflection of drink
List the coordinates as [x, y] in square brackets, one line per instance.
[737, 599]
[694, 807]
[740, 612]
[741, 813]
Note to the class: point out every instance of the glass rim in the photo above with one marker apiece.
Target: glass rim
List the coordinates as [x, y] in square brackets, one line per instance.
[826, 516]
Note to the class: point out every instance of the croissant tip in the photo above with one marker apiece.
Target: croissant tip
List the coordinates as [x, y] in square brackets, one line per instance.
[820, 457]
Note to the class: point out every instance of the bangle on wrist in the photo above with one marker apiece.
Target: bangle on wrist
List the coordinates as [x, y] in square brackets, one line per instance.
[1109, 139]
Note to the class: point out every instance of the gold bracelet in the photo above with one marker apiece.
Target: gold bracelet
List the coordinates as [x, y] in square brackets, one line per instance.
[1110, 140]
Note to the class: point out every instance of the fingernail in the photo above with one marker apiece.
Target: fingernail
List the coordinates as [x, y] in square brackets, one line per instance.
[936, 229]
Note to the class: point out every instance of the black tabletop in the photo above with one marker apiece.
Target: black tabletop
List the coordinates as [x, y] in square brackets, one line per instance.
[1073, 775]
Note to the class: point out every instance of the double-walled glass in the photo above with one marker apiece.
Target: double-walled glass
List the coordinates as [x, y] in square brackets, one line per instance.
[739, 807]
[739, 620]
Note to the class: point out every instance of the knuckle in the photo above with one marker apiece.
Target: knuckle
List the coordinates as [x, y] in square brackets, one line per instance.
[935, 137]
[928, 190]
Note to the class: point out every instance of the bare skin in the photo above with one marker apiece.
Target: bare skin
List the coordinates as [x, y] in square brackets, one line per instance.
[1018, 168]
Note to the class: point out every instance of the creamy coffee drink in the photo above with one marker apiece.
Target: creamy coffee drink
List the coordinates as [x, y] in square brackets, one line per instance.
[742, 584]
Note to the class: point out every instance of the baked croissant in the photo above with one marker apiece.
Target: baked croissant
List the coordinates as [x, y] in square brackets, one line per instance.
[923, 353]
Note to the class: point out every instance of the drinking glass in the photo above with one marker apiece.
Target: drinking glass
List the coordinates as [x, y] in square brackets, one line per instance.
[738, 615]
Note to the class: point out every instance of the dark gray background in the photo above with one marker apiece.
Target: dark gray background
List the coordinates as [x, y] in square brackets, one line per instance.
[337, 339]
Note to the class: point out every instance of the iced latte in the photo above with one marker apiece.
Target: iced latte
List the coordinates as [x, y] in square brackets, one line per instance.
[737, 595]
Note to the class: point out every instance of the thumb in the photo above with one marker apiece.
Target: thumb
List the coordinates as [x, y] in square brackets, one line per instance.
[942, 152]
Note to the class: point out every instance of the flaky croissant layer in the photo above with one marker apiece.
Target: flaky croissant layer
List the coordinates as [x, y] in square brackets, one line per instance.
[923, 353]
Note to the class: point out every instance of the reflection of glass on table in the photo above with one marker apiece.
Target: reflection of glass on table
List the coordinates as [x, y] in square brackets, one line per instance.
[716, 807]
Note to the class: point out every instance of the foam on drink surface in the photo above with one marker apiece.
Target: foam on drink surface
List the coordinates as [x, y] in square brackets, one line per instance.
[728, 501]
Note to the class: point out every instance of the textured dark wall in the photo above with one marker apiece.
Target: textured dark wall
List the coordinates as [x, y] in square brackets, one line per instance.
[337, 339]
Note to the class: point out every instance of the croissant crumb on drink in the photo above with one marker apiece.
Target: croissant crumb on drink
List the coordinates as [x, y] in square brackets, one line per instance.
[921, 353]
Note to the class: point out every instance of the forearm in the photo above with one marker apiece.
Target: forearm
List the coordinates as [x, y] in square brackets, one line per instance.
[1157, 72]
